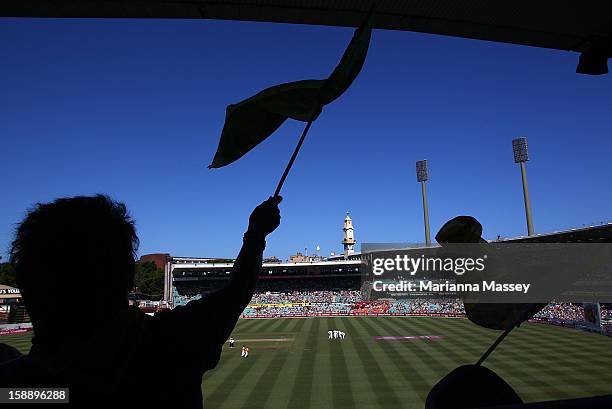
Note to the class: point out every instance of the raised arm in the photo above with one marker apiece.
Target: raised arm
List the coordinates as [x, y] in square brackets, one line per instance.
[209, 321]
[263, 221]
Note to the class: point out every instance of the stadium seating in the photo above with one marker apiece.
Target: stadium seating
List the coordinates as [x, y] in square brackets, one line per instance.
[561, 313]
[333, 296]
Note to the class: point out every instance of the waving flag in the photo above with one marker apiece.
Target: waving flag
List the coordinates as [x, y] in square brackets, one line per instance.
[251, 121]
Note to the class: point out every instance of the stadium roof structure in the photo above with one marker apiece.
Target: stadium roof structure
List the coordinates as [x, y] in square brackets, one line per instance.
[590, 234]
[584, 27]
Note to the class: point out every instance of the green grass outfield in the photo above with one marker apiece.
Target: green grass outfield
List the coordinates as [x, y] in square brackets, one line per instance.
[293, 365]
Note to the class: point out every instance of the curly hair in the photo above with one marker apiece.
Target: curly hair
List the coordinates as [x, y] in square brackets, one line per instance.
[82, 246]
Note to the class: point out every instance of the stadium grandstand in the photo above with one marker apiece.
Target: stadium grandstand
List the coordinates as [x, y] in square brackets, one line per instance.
[12, 310]
[333, 286]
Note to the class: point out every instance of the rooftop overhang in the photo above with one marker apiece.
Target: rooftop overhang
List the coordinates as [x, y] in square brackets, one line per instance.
[580, 26]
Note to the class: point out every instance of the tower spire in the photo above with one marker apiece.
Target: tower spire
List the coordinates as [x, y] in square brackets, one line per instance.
[349, 236]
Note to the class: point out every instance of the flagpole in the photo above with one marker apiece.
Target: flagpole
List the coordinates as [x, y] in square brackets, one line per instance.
[497, 342]
[494, 345]
[295, 153]
[313, 117]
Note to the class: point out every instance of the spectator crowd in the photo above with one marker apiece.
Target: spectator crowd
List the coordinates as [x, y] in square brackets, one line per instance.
[304, 297]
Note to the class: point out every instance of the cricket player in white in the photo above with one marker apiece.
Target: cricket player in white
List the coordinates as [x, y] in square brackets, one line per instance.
[342, 334]
[330, 333]
[335, 334]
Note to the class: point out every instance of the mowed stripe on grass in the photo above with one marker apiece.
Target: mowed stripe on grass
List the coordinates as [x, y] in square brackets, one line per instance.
[293, 364]
[22, 342]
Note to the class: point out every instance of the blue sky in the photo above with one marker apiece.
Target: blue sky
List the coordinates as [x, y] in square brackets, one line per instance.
[134, 109]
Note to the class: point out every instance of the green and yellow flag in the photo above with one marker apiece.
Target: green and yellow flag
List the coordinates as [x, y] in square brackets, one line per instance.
[251, 121]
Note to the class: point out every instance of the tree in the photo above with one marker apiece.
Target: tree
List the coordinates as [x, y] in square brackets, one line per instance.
[149, 280]
[7, 275]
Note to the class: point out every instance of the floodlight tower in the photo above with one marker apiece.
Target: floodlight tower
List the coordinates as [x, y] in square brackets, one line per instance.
[422, 177]
[521, 155]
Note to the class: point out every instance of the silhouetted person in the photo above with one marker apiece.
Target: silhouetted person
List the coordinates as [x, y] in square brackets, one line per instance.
[75, 260]
[8, 353]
